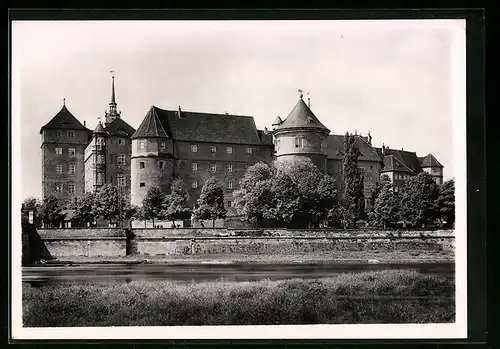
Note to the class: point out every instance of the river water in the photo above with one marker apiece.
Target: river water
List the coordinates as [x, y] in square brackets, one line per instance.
[204, 272]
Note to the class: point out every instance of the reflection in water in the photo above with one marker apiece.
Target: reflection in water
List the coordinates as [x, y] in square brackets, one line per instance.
[197, 273]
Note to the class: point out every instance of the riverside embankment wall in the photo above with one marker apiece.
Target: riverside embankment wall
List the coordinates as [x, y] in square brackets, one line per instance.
[116, 242]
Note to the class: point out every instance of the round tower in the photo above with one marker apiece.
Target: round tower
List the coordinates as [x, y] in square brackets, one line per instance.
[151, 162]
[301, 135]
[99, 149]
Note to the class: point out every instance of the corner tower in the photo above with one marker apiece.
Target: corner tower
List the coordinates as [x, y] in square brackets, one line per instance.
[152, 162]
[301, 135]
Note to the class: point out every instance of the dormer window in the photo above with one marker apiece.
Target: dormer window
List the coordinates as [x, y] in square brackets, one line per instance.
[162, 145]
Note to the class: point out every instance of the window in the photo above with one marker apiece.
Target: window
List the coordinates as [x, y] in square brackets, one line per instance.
[249, 151]
[58, 134]
[141, 144]
[297, 142]
[71, 188]
[228, 203]
[59, 169]
[396, 189]
[142, 184]
[213, 149]
[141, 164]
[71, 169]
[120, 180]
[162, 145]
[161, 165]
[194, 184]
[230, 184]
[71, 134]
[59, 187]
[121, 159]
[194, 148]
[121, 141]
[71, 151]
[58, 151]
[194, 167]
[229, 168]
[100, 159]
[229, 150]
[213, 167]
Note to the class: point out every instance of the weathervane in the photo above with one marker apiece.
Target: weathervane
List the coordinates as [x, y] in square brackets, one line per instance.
[301, 93]
[112, 73]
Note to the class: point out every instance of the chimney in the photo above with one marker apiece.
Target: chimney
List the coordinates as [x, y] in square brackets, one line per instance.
[383, 149]
[266, 131]
[309, 102]
[402, 149]
[179, 112]
[369, 138]
[84, 123]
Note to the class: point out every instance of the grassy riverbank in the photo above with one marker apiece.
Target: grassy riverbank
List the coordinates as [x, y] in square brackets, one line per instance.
[316, 258]
[392, 296]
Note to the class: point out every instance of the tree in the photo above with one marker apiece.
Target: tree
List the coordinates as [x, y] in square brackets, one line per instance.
[352, 187]
[31, 204]
[285, 199]
[85, 209]
[152, 204]
[419, 199]
[109, 203]
[386, 208]
[50, 213]
[211, 202]
[176, 204]
[384, 179]
[446, 202]
[254, 194]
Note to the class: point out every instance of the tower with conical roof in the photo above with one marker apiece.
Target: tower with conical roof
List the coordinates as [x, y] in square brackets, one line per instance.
[112, 113]
[301, 135]
[152, 161]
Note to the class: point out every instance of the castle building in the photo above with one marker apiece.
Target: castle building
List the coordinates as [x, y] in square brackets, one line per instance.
[195, 146]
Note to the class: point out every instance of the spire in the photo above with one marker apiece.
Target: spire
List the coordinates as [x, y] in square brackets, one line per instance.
[113, 100]
[113, 113]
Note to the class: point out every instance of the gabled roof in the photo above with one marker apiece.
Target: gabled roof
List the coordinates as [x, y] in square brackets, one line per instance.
[335, 148]
[407, 158]
[64, 120]
[119, 127]
[429, 161]
[205, 127]
[392, 163]
[301, 116]
[151, 126]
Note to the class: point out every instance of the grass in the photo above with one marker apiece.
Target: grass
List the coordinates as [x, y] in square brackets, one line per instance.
[393, 296]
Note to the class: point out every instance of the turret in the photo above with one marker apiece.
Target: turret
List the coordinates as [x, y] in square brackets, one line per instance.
[99, 150]
[301, 135]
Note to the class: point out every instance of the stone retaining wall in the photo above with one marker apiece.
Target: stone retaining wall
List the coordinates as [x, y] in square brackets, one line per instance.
[116, 242]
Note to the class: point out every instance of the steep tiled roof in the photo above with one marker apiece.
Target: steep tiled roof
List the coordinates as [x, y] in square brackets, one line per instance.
[335, 148]
[302, 116]
[429, 161]
[119, 127]
[407, 158]
[265, 138]
[151, 126]
[64, 120]
[206, 127]
[392, 163]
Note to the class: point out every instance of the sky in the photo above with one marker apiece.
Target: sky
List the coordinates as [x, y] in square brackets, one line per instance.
[392, 78]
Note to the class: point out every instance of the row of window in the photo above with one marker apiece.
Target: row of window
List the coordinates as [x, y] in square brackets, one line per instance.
[71, 169]
[402, 176]
[71, 188]
[194, 166]
[71, 151]
[213, 149]
[142, 145]
[71, 134]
